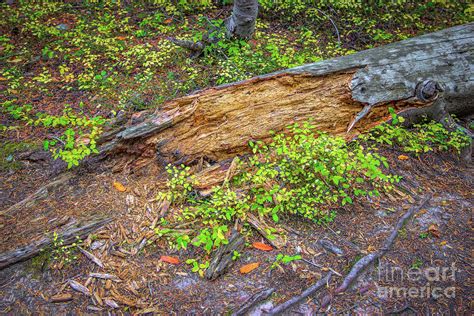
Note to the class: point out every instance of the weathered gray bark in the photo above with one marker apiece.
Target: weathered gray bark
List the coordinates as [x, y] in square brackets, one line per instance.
[241, 24]
[68, 236]
[337, 94]
[222, 258]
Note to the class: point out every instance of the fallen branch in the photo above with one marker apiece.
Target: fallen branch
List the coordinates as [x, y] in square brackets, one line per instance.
[41, 193]
[253, 301]
[262, 228]
[364, 262]
[222, 259]
[69, 236]
[279, 309]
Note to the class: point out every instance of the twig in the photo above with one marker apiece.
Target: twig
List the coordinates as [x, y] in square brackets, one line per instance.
[333, 24]
[363, 263]
[295, 300]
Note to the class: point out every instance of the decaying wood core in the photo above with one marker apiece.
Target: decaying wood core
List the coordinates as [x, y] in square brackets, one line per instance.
[342, 96]
[218, 123]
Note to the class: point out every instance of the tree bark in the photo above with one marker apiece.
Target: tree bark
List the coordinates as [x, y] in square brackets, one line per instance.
[350, 91]
[241, 24]
[68, 236]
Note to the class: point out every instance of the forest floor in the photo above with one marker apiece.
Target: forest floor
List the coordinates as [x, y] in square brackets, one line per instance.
[106, 61]
[437, 237]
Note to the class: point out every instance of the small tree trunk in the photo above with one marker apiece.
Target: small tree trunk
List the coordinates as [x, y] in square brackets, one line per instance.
[241, 24]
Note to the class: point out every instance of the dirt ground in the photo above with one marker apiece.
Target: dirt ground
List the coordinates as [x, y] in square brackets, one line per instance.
[435, 242]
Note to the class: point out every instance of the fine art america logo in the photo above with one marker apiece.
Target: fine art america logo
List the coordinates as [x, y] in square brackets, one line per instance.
[429, 277]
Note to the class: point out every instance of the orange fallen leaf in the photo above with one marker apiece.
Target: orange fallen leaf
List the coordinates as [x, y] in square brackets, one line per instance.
[370, 248]
[169, 259]
[119, 186]
[403, 157]
[421, 212]
[434, 231]
[262, 246]
[249, 267]
[168, 21]
[121, 38]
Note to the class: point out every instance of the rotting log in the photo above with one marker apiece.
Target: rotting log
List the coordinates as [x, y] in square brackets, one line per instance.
[39, 194]
[342, 96]
[68, 236]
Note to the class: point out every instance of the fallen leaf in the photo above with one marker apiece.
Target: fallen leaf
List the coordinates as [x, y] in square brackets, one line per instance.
[3, 78]
[249, 267]
[169, 259]
[121, 38]
[370, 248]
[403, 157]
[443, 243]
[168, 21]
[262, 246]
[434, 231]
[421, 212]
[119, 186]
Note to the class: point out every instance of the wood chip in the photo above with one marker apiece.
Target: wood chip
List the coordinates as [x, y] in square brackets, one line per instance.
[108, 284]
[91, 257]
[98, 298]
[60, 298]
[104, 276]
[111, 303]
[76, 286]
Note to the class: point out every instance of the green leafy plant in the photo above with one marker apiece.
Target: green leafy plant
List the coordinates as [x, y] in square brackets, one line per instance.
[423, 235]
[424, 137]
[197, 267]
[307, 174]
[417, 263]
[78, 132]
[284, 259]
[61, 253]
[235, 255]
[180, 184]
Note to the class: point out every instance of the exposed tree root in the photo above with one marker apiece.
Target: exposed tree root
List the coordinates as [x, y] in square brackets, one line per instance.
[253, 301]
[363, 263]
[279, 309]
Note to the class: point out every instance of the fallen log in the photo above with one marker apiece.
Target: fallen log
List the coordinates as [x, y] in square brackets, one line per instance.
[364, 262]
[68, 236]
[342, 96]
[39, 194]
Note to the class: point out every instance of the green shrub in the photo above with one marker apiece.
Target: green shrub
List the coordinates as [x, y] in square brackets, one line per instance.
[77, 133]
[424, 137]
[309, 174]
